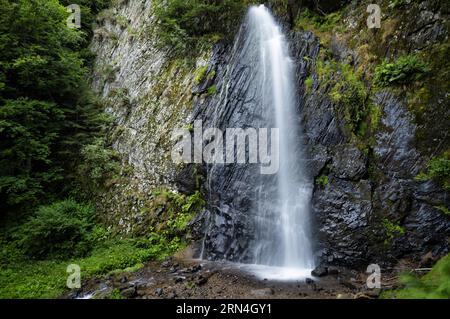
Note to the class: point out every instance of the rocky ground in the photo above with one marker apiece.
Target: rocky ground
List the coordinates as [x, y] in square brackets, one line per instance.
[175, 278]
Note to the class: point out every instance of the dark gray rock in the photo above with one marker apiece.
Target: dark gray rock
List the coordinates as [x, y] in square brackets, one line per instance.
[320, 271]
[348, 162]
[347, 213]
[129, 292]
[158, 291]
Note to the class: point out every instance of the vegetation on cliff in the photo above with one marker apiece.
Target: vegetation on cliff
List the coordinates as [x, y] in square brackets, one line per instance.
[54, 146]
[185, 25]
[55, 159]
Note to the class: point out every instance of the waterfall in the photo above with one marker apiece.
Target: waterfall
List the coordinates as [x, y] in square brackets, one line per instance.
[259, 221]
[282, 216]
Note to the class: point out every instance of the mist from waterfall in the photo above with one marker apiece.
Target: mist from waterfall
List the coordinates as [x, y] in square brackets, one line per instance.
[282, 217]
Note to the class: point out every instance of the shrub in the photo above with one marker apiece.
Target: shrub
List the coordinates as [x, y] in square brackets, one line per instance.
[351, 93]
[434, 285]
[392, 230]
[438, 169]
[183, 23]
[58, 230]
[47, 278]
[406, 69]
[98, 164]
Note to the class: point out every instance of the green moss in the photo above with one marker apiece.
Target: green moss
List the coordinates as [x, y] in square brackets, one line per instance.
[187, 25]
[201, 74]
[322, 180]
[392, 230]
[321, 25]
[443, 209]
[308, 84]
[404, 70]
[348, 91]
[212, 90]
[114, 294]
[438, 169]
[434, 285]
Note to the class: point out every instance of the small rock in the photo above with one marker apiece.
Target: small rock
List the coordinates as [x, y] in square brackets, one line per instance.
[158, 291]
[309, 281]
[347, 283]
[123, 279]
[160, 210]
[333, 271]
[262, 292]
[201, 280]
[196, 268]
[166, 263]
[179, 279]
[172, 270]
[129, 292]
[320, 271]
[172, 295]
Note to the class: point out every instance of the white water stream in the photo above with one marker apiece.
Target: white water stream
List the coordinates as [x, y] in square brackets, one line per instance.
[282, 239]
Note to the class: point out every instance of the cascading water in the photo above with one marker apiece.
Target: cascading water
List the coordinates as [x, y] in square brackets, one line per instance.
[282, 217]
[260, 221]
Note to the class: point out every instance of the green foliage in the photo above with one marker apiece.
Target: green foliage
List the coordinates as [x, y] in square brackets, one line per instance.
[444, 210]
[309, 20]
[181, 209]
[322, 25]
[47, 279]
[163, 244]
[438, 169]
[184, 24]
[167, 235]
[47, 111]
[58, 230]
[29, 129]
[309, 83]
[348, 90]
[114, 294]
[405, 69]
[212, 90]
[351, 92]
[322, 180]
[434, 285]
[397, 4]
[99, 164]
[391, 230]
[201, 74]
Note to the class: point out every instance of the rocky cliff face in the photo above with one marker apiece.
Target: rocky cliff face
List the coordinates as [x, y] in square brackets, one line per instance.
[149, 94]
[367, 205]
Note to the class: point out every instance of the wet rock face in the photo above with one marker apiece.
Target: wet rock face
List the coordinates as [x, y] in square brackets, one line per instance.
[349, 211]
[229, 187]
[361, 192]
[150, 96]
